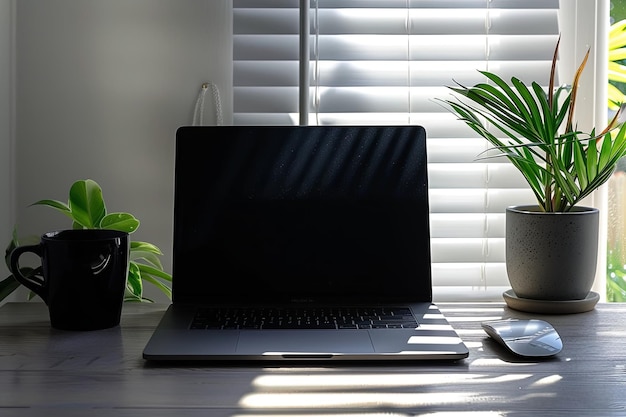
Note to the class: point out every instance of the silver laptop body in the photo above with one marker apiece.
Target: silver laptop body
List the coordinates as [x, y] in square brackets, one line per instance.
[296, 243]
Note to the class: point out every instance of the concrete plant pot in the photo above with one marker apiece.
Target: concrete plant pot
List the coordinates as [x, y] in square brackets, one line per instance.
[551, 256]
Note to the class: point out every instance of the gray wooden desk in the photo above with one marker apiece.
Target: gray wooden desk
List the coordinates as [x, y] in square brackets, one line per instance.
[46, 372]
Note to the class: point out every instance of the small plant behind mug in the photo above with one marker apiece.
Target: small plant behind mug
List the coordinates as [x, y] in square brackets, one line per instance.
[87, 210]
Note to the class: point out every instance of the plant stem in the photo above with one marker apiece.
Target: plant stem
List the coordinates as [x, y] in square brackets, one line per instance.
[548, 184]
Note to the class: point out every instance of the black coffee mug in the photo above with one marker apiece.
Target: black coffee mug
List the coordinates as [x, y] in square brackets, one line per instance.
[83, 276]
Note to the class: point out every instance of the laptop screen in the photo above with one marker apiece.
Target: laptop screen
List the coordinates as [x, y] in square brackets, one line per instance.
[279, 213]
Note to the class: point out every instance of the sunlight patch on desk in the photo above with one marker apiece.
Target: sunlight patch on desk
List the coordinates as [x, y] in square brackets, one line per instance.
[472, 319]
[347, 414]
[529, 398]
[429, 316]
[500, 362]
[359, 400]
[483, 310]
[366, 380]
[548, 380]
[612, 333]
[472, 332]
[463, 414]
[389, 414]
[432, 340]
[435, 327]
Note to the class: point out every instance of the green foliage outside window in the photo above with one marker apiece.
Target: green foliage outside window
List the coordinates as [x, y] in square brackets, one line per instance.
[616, 253]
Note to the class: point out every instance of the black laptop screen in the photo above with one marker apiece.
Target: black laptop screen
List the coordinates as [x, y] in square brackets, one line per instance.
[306, 213]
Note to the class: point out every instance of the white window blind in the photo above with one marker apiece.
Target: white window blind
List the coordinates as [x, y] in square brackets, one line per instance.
[385, 62]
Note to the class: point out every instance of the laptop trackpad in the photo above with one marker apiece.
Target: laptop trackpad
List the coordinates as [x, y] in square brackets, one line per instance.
[307, 341]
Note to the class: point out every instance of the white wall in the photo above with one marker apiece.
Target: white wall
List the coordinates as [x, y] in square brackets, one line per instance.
[101, 87]
[7, 212]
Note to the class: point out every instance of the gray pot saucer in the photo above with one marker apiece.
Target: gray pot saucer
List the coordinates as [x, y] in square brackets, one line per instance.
[551, 307]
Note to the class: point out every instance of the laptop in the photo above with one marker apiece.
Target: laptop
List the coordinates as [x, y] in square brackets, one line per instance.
[302, 243]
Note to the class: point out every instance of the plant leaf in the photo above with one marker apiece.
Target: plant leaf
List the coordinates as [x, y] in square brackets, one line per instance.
[579, 71]
[124, 222]
[12, 245]
[149, 274]
[60, 206]
[551, 98]
[147, 252]
[147, 258]
[57, 205]
[145, 247]
[581, 165]
[133, 283]
[87, 204]
[153, 271]
[7, 286]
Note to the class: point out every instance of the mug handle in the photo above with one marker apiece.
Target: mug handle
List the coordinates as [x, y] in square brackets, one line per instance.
[32, 282]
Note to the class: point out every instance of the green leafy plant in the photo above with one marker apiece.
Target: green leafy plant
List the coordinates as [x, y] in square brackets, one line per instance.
[87, 210]
[535, 130]
[616, 253]
[616, 68]
[616, 276]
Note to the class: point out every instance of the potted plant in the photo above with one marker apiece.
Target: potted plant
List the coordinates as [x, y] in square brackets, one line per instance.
[551, 246]
[87, 210]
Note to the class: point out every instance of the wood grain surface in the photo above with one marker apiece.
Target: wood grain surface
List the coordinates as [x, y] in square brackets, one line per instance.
[48, 372]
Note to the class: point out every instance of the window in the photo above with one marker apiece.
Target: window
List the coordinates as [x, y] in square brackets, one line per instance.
[616, 244]
[385, 62]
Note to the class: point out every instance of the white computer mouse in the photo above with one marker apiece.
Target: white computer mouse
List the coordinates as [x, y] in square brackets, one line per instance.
[531, 337]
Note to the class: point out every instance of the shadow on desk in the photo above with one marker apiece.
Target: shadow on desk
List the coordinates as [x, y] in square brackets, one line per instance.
[459, 364]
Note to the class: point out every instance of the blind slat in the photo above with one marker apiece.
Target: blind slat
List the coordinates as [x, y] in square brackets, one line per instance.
[467, 225]
[475, 175]
[473, 274]
[474, 200]
[466, 250]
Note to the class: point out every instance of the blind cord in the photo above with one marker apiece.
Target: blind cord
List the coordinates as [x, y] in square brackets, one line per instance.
[198, 112]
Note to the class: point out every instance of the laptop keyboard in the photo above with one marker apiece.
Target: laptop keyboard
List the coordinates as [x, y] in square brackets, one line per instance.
[303, 318]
